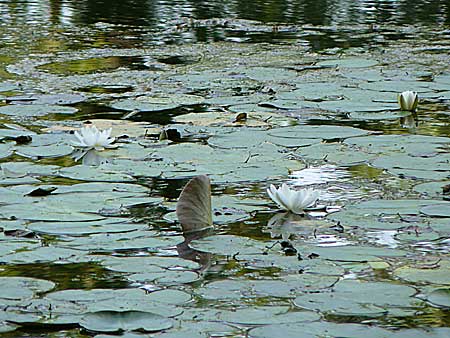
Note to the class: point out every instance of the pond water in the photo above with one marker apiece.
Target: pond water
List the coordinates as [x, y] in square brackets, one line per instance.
[252, 94]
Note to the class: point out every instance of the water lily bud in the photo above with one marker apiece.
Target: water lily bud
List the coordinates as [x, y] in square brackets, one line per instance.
[408, 100]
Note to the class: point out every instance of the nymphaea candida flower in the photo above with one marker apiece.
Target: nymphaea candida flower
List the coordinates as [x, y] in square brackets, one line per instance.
[408, 100]
[292, 200]
[91, 138]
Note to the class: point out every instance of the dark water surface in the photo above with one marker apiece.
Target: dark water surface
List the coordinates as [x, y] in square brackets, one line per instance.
[161, 21]
[154, 13]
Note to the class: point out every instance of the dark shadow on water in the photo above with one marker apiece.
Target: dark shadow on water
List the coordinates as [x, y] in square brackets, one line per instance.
[69, 276]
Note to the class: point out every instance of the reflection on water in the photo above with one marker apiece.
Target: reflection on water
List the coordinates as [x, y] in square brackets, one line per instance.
[142, 23]
[162, 12]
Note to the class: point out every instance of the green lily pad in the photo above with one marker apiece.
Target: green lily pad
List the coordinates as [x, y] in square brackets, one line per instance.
[318, 132]
[20, 169]
[351, 298]
[319, 329]
[355, 253]
[388, 115]
[266, 315]
[433, 189]
[313, 91]
[147, 264]
[227, 165]
[265, 74]
[36, 110]
[439, 297]
[93, 174]
[157, 103]
[6, 150]
[109, 225]
[348, 62]
[410, 144]
[285, 287]
[437, 210]
[8, 133]
[46, 212]
[166, 277]
[112, 321]
[23, 287]
[394, 207]
[435, 274]
[338, 153]
[48, 151]
[106, 242]
[46, 254]
[7, 87]
[228, 245]
[248, 138]
[397, 86]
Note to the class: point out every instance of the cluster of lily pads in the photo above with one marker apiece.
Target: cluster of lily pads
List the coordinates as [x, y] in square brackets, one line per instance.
[237, 268]
[296, 201]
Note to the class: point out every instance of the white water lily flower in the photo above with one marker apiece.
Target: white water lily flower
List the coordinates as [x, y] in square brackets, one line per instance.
[92, 138]
[408, 100]
[293, 200]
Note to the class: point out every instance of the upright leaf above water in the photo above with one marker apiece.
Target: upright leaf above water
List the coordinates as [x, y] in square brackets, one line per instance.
[194, 205]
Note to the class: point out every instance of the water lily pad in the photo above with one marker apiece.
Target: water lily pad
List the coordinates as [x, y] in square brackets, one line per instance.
[147, 264]
[335, 153]
[266, 315]
[36, 110]
[431, 188]
[106, 242]
[112, 321]
[248, 138]
[440, 297]
[437, 210]
[46, 254]
[157, 103]
[166, 277]
[236, 99]
[413, 166]
[226, 165]
[348, 62]
[434, 273]
[379, 115]
[46, 212]
[20, 169]
[109, 225]
[8, 86]
[355, 298]
[313, 91]
[228, 245]
[7, 327]
[394, 207]
[48, 151]
[410, 144]
[23, 287]
[285, 287]
[95, 174]
[319, 329]
[5, 150]
[270, 74]
[355, 253]
[319, 132]
[397, 86]
[8, 133]
[58, 99]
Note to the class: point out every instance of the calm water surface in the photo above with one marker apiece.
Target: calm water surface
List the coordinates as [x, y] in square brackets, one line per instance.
[160, 16]
[30, 28]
